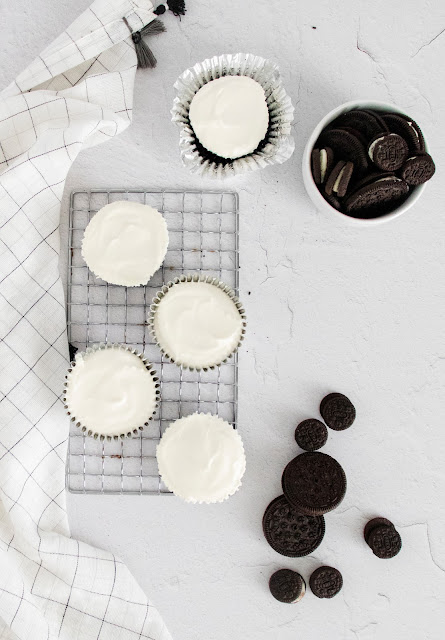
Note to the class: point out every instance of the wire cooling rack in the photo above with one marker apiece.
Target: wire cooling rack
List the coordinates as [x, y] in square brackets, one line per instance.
[203, 232]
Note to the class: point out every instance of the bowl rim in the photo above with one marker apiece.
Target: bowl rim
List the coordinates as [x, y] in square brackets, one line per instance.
[311, 187]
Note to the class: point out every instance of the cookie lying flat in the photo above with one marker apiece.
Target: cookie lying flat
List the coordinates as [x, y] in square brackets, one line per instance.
[407, 128]
[337, 411]
[376, 198]
[418, 169]
[345, 147]
[287, 586]
[368, 124]
[291, 532]
[388, 151]
[326, 582]
[311, 434]
[314, 483]
[383, 539]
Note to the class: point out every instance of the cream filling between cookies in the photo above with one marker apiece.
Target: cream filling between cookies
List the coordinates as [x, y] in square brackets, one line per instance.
[110, 391]
[323, 164]
[303, 591]
[197, 324]
[338, 180]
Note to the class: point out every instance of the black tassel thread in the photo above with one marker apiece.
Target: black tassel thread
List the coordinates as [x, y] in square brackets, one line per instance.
[145, 56]
[177, 7]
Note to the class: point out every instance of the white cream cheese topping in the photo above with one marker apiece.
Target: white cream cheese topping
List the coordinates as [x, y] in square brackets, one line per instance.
[230, 116]
[125, 243]
[197, 324]
[201, 458]
[110, 391]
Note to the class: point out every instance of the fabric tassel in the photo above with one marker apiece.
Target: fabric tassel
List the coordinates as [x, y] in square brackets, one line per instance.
[177, 7]
[145, 56]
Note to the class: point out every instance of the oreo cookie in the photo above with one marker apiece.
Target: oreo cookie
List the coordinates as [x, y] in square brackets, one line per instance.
[376, 198]
[407, 128]
[287, 586]
[337, 411]
[345, 147]
[375, 522]
[311, 434]
[418, 169]
[326, 582]
[290, 532]
[339, 178]
[321, 164]
[384, 541]
[365, 122]
[314, 483]
[388, 151]
[333, 200]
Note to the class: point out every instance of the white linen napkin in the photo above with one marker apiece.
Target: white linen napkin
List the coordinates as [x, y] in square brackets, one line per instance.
[77, 93]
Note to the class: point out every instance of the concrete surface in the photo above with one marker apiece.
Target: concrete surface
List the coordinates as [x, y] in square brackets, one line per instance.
[331, 308]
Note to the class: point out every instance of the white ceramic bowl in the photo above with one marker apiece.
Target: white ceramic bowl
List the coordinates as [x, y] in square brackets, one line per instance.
[311, 187]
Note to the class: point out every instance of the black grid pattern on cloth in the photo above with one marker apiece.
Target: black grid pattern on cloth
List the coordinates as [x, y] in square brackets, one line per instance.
[78, 91]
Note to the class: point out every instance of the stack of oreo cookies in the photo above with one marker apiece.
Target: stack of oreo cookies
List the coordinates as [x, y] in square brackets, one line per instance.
[366, 163]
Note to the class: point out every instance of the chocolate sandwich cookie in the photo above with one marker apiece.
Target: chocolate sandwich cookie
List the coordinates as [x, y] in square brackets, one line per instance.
[378, 116]
[388, 151]
[332, 200]
[337, 411]
[321, 163]
[339, 178]
[326, 582]
[366, 122]
[314, 483]
[291, 532]
[375, 522]
[384, 541]
[355, 133]
[377, 198]
[418, 169]
[345, 147]
[311, 434]
[407, 128]
[287, 586]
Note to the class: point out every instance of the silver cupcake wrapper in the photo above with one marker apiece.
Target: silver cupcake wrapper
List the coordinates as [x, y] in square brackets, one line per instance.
[121, 436]
[278, 145]
[195, 278]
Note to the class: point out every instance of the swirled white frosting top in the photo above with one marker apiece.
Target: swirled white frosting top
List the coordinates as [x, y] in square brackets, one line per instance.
[125, 243]
[230, 116]
[201, 458]
[110, 391]
[197, 324]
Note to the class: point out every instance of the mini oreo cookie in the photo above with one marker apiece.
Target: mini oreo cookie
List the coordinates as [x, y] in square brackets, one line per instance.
[407, 128]
[384, 541]
[291, 532]
[375, 522]
[326, 582]
[388, 151]
[287, 586]
[314, 483]
[339, 178]
[311, 434]
[418, 169]
[337, 411]
[321, 164]
[376, 198]
[365, 122]
[346, 147]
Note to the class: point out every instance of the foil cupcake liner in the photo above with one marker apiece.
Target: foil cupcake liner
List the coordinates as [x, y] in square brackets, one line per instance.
[195, 278]
[121, 436]
[278, 145]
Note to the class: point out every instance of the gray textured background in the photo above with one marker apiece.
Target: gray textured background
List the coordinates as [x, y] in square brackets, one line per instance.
[331, 308]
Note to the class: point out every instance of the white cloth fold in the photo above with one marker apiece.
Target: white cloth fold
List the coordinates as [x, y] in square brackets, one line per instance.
[78, 93]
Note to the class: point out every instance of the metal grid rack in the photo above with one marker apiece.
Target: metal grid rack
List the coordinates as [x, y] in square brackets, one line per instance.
[203, 231]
